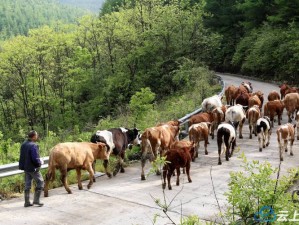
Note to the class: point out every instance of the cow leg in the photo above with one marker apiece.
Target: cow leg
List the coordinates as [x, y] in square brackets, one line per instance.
[255, 129]
[213, 127]
[233, 147]
[264, 139]
[286, 145]
[106, 163]
[219, 142]
[279, 119]
[206, 145]
[260, 139]
[164, 177]
[250, 131]
[63, 172]
[188, 172]
[289, 115]
[94, 169]
[280, 151]
[143, 161]
[78, 170]
[178, 173]
[240, 128]
[297, 131]
[122, 158]
[268, 133]
[291, 146]
[91, 175]
[169, 178]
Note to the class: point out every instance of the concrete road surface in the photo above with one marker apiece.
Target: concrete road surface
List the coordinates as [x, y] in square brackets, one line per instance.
[125, 199]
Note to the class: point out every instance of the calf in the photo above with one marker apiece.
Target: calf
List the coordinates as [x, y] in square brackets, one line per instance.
[253, 114]
[177, 158]
[273, 95]
[236, 115]
[254, 100]
[74, 155]
[197, 133]
[285, 133]
[211, 103]
[272, 109]
[263, 128]
[226, 139]
[291, 102]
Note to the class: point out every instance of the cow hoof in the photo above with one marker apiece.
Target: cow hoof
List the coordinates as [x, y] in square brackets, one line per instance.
[80, 188]
[94, 180]
[267, 144]
[158, 173]
[88, 186]
[286, 150]
[122, 170]
[163, 186]
[142, 177]
[264, 146]
[190, 181]
[219, 163]
[206, 153]
[281, 159]
[297, 138]
[292, 154]
[69, 192]
[193, 160]
[261, 149]
[170, 188]
[177, 184]
[241, 137]
[114, 173]
[250, 137]
[109, 175]
[46, 195]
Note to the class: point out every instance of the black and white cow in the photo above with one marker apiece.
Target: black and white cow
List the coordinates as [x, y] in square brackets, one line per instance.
[226, 139]
[118, 140]
[263, 128]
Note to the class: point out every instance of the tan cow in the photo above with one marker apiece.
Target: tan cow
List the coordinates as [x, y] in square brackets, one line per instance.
[156, 140]
[74, 155]
[253, 114]
[272, 109]
[273, 95]
[230, 94]
[199, 132]
[254, 100]
[291, 102]
[285, 133]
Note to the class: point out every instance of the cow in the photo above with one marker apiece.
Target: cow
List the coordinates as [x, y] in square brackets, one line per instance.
[211, 103]
[291, 102]
[260, 95]
[230, 94]
[285, 133]
[74, 155]
[156, 140]
[254, 100]
[272, 109]
[247, 85]
[218, 115]
[236, 115]
[243, 99]
[226, 139]
[171, 122]
[118, 139]
[273, 95]
[291, 90]
[283, 87]
[177, 158]
[297, 124]
[197, 133]
[201, 117]
[263, 128]
[253, 114]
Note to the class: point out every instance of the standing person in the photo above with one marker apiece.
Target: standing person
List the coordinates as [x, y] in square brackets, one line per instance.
[31, 162]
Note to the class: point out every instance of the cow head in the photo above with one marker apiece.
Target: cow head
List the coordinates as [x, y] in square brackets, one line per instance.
[134, 137]
[103, 151]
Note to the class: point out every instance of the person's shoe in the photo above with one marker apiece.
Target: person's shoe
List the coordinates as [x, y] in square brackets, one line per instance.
[27, 198]
[36, 201]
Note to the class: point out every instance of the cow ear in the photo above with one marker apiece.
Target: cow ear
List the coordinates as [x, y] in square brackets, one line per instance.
[134, 125]
[294, 125]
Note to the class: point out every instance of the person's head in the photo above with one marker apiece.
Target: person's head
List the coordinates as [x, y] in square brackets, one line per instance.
[32, 135]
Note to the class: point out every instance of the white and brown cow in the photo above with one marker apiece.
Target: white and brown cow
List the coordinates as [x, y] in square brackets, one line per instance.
[253, 114]
[226, 139]
[156, 140]
[197, 133]
[211, 103]
[236, 115]
[285, 133]
[263, 128]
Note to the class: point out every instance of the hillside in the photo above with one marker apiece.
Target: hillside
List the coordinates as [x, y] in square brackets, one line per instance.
[18, 16]
[91, 5]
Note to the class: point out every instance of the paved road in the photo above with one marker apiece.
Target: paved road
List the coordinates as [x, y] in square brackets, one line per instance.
[125, 199]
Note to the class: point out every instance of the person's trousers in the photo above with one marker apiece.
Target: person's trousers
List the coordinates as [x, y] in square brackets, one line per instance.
[37, 176]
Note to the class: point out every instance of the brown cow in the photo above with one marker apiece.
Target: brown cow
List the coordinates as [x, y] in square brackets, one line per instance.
[171, 122]
[260, 95]
[201, 117]
[177, 158]
[272, 109]
[199, 132]
[230, 94]
[74, 155]
[283, 88]
[156, 140]
[253, 114]
[242, 99]
[285, 133]
[291, 102]
[273, 95]
[291, 90]
[254, 100]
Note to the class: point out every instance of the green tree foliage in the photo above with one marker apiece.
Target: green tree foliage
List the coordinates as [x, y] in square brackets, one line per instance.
[73, 75]
[18, 16]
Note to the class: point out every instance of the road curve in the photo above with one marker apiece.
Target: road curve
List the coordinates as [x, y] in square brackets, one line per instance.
[125, 199]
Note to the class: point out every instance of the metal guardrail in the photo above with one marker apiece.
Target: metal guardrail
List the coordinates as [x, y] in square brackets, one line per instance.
[13, 168]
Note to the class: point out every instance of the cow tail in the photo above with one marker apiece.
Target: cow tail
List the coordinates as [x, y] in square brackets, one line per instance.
[146, 146]
[278, 132]
[51, 169]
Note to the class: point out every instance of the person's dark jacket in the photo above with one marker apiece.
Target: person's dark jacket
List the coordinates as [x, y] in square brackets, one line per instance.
[29, 157]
